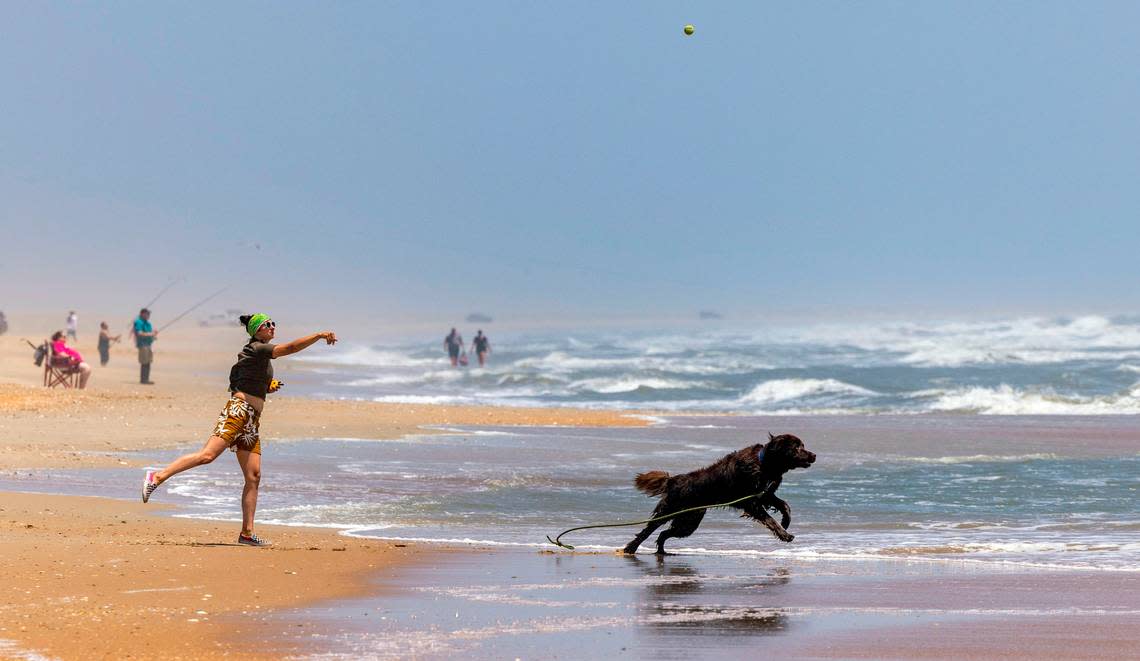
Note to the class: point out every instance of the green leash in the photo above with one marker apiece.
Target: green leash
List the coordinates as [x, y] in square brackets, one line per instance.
[656, 518]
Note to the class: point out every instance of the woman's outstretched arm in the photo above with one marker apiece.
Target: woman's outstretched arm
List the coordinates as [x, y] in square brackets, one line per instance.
[300, 344]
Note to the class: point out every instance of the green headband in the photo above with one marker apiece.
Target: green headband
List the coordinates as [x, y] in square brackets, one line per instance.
[255, 322]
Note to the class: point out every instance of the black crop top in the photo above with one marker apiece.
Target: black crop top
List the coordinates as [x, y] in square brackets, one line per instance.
[253, 370]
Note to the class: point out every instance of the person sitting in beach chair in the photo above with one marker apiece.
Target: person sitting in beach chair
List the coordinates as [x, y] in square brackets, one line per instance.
[64, 366]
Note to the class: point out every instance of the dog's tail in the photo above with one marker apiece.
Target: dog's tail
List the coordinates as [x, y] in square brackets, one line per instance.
[652, 483]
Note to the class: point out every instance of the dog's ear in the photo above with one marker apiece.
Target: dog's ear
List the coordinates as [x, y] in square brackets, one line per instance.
[771, 437]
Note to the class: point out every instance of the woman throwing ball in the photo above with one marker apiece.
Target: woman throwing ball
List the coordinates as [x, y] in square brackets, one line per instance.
[251, 378]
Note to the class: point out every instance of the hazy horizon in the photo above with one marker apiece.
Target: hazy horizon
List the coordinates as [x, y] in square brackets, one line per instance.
[412, 163]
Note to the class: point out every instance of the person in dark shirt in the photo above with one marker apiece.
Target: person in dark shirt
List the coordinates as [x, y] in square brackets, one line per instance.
[453, 343]
[105, 340]
[251, 379]
[481, 346]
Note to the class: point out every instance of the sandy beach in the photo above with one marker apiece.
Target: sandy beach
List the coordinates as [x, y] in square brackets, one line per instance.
[111, 578]
[105, 578]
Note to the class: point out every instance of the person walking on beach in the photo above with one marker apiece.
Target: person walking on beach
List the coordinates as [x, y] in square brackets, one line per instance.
[145, 336]
[60, 348]
[453, 343]
[251, 378]
[105, 340]
[481, 346]
[73, 326]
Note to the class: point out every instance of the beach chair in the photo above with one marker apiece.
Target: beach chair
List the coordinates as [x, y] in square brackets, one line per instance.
[58, 369]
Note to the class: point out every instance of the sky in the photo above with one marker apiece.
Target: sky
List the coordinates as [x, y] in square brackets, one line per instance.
[400, 161]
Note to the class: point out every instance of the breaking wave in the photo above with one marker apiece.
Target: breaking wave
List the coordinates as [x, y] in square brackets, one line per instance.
[1006, 400]
[616, 385]
[783, 390]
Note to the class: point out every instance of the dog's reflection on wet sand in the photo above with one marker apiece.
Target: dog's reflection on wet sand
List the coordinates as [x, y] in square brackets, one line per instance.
[673, 602]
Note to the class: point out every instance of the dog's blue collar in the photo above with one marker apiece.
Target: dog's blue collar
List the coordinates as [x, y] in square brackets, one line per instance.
[760, 454]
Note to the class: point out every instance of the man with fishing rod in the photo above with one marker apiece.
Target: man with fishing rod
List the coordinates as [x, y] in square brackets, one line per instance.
[145, 336]
[154, 300]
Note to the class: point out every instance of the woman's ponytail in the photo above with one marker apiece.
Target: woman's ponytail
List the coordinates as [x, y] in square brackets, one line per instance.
[244, 319]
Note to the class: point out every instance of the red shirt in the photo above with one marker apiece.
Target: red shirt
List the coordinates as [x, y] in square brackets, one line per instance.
[59, 348]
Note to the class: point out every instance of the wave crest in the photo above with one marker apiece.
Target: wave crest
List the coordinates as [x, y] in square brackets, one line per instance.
[783, 390]
[1006, 400]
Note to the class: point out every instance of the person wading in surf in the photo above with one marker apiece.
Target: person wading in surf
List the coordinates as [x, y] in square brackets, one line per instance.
[481, 346]
[251, 378]
[453, 343]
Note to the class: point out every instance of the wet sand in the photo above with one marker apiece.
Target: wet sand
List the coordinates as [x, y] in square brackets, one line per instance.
[493, 603]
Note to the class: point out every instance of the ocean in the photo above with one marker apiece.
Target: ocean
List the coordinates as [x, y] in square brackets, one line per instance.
[1082, 366]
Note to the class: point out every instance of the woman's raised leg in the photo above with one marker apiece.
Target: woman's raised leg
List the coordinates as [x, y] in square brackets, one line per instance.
[209, 452]
[214, 446]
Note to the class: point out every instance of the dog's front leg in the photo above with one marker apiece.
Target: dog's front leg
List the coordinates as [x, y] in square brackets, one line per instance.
[661, 509]
[782, 507]
[757, 511]
[631, 548]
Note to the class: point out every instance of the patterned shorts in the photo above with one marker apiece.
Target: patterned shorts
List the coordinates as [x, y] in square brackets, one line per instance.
[238, 426]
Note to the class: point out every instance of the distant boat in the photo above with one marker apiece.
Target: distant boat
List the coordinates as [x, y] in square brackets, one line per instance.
[710, 314]
[478, 318]
[227, 318]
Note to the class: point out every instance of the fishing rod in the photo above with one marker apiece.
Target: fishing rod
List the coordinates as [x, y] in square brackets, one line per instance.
[557, 540]
[194, 307]
[164, 290]
[154, 300]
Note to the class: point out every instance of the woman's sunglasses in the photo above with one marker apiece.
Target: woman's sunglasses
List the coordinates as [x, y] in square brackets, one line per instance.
[269, 324]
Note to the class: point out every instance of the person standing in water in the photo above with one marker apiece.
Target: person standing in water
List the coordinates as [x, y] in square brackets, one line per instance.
[454, 344]
[481, 346]
[251, 378]
[105, 340]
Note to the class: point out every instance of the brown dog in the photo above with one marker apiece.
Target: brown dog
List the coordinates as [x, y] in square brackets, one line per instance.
[755, 469]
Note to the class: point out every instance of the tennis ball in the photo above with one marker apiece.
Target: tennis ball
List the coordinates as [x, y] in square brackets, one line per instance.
[689, 29]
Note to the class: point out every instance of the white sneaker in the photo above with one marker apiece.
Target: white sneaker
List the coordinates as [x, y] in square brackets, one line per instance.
[149, 485]
[252, 540]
